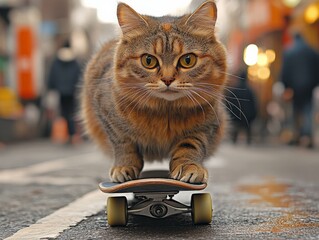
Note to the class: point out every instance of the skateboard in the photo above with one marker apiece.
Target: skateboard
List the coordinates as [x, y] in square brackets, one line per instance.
[154, 197]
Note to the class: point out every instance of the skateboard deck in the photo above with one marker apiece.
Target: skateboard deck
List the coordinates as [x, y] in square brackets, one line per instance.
[151, 181]
[150, 185]
[153, 193]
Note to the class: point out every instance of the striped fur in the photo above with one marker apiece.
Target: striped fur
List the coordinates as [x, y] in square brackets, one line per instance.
[129, 116]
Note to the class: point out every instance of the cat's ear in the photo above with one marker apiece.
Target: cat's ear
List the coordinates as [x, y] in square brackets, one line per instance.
[204, 16]
[129, 20]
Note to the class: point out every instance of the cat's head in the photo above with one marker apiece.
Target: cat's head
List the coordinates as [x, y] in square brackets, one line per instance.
[170, 58]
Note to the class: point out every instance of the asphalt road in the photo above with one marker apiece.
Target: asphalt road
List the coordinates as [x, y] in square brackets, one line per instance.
[259, 192]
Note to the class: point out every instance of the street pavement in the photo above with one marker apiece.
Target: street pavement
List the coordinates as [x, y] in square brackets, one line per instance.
[266, 191]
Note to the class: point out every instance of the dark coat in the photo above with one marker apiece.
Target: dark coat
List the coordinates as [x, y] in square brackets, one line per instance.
[64, 76]
[300, 70]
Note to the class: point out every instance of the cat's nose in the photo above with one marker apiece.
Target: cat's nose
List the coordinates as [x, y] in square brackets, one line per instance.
[167, 80]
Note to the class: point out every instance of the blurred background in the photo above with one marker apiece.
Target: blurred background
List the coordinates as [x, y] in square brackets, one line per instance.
[37, 37]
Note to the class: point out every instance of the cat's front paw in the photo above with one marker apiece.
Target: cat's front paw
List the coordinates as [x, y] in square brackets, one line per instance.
[124, 173]
[191, 172]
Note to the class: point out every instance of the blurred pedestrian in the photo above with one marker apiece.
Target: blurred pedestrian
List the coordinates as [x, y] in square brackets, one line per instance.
[64, 77]
[300, 75]
[241, 103]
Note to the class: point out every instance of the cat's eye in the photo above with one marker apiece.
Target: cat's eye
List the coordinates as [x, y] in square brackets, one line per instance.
[188, 60]
[149, 61]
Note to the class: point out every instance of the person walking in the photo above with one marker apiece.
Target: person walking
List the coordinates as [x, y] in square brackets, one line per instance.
[300, 75]
[64, 77]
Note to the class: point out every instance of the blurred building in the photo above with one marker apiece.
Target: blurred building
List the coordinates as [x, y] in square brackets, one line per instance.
[32, 30]
[257, 42]
[26, 43]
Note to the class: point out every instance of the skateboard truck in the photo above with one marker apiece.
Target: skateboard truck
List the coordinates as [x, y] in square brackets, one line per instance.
[157, 205]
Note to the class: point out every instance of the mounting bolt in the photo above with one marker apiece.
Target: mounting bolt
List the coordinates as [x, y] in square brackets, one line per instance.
[158, 210]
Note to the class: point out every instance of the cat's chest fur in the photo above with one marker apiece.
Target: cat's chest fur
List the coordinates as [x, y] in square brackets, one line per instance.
[156, 134]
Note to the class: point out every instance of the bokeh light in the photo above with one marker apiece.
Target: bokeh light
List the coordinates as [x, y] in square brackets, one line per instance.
[291, 3]
[262, 59]
[271, 55]
[253, 70]
[251, 55]
[263, 73]
[312, 14]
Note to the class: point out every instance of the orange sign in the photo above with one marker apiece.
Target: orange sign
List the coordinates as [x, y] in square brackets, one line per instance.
[24, 62]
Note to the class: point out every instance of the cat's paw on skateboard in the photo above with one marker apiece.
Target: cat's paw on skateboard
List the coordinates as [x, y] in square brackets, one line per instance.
[124, 173]
[191, 172]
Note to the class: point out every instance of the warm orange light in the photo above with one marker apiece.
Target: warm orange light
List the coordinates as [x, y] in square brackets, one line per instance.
[262, 59]
[271, 55]
[252, 71]
[312, 14]
[263, 73]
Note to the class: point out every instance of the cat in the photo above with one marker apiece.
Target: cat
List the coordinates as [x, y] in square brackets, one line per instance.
[157, 93]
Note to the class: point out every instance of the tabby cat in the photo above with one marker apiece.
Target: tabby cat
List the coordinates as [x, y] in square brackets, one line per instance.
[157, 93]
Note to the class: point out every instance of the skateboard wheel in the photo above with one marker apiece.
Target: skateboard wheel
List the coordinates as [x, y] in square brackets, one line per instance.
[202, 211]
[116, 209]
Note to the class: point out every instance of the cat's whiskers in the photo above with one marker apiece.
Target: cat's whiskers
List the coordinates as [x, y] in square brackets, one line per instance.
[144, 96]
[184, 86]
[229, 74]
[188, 95]
[230, 103]
[193, 99]
[215, 95]
[193, 91]
[220, 85]
[131, 93]
[119, 102]
[228, 90]
[225, 99]
[136, 95]
[145, 99]
[152, 86]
